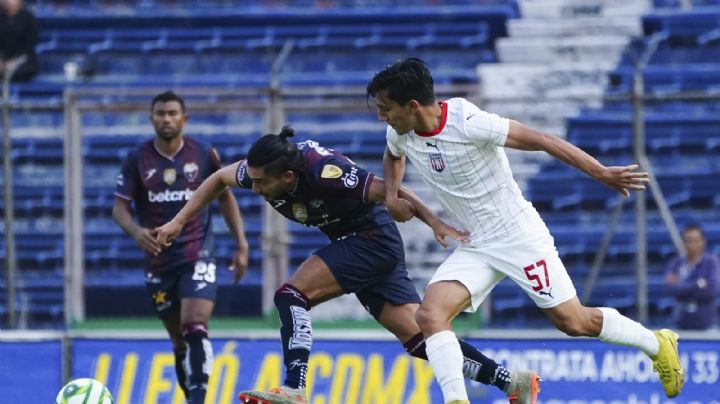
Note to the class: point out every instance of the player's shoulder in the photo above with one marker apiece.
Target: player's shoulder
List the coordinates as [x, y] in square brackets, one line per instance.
[714, 258]
[321, 162]
[200, 144]
[462, 108]
[391, 134]
[143, 148]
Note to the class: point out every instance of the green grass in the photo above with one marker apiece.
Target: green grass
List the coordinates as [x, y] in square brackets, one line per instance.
[462, 323]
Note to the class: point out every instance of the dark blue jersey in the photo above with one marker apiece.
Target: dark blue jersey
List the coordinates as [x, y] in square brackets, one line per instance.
[331, 194]
[160, 185]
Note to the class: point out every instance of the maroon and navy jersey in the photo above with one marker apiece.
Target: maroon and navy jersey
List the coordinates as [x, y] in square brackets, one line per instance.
[160, 185]
[331, 194]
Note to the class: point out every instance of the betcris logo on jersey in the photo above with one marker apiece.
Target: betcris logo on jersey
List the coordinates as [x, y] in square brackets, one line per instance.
[170, 196]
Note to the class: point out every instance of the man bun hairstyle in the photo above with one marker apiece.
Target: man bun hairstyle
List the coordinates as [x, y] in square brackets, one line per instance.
[276, 154]
[286, 132]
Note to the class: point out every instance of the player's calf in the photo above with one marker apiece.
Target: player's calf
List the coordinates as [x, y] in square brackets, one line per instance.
[476, 366]
[295, 333]
[180, 354]
[198, 361]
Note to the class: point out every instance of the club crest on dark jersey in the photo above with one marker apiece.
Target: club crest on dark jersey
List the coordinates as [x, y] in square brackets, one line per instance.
[169, 175]
[436, 162]
[300, 212]
[190, 170]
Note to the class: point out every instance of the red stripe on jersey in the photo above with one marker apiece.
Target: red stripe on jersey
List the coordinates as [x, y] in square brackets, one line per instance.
[443, 119]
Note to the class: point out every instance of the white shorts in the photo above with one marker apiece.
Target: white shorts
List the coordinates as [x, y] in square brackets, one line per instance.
[530, 260]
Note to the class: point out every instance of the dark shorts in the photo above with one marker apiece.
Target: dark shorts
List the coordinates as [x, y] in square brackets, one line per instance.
[371, 264]
[193, 280]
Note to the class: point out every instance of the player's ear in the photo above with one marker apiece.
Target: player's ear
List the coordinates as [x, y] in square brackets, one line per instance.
[413, 105]
[288, 176]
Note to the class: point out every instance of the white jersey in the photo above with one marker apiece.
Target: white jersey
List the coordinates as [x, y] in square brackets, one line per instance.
[463, 161]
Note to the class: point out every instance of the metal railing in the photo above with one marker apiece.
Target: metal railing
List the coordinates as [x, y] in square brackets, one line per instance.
[274, 103]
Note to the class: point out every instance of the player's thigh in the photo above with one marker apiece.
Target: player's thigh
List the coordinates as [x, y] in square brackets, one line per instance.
[163, 291]
[197, 289]
[393, 302]
[196, 310]
[315, 280]
[465, 273]
[444, 300]
[172, 324]
[373, 260]
[533, 263]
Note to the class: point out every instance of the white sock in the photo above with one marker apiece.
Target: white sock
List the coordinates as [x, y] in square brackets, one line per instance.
[446, 359]
[620, 330]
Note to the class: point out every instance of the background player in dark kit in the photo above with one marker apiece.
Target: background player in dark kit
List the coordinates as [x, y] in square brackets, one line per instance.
[159, 176]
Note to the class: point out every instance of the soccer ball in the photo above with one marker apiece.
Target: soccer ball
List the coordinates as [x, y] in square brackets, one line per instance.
[84, 391]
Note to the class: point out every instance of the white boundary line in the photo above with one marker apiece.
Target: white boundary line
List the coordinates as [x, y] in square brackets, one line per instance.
[340, 335]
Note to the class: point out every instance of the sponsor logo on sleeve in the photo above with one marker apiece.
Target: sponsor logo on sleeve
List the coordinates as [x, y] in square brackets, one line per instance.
[331, 171]
[120, 180]
[351, 179]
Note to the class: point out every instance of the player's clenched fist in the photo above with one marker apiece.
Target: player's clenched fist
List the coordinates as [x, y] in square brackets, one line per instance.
[400, 209]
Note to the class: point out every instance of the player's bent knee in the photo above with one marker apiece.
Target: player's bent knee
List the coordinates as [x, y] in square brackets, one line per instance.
[572, 326]
[430, 321]
[287, 295]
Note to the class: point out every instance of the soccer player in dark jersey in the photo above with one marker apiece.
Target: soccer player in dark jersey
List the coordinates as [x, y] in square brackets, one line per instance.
[159, 176]
[320, 187]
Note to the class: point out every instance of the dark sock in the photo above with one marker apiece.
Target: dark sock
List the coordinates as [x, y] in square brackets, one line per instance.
[198, 356]
[476, 366]
[295, 333]
[197, 396]
[180, 370]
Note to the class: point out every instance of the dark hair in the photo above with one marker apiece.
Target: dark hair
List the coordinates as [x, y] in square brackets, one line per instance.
[404, 80]
[696, 227]
[276, 154]
[167, 96]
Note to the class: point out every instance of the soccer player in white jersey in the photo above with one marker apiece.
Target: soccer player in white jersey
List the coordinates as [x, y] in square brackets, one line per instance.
[458, 150]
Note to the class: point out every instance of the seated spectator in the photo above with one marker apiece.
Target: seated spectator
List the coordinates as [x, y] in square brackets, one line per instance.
[18, 37]
[693, 281]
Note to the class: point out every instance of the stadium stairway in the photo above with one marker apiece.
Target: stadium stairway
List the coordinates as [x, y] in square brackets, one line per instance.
[681, 142]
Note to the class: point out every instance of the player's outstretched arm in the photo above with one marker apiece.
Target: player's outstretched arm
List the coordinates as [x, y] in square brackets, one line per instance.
[206, 192]
[623, 179]
[416, 206]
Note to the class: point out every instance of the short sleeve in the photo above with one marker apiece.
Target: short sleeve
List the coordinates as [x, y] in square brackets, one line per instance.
[485, 128]
[127, 180]
[215, 163]
[241, 176]
[338, 176]
[393, 143]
